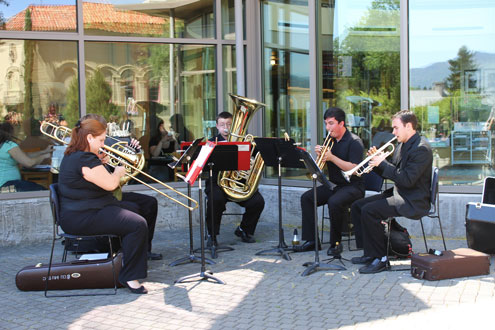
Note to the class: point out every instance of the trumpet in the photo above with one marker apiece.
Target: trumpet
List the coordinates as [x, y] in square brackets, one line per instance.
[362, 168]
[120, 156]
[327, 145]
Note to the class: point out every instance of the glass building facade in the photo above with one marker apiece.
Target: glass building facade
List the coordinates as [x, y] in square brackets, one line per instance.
[143, 62]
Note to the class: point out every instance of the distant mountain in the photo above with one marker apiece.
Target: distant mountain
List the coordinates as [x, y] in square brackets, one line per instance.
[425, 77]
[437, 72]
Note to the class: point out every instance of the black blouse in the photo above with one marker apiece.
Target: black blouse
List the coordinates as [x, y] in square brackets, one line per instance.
[76, 193]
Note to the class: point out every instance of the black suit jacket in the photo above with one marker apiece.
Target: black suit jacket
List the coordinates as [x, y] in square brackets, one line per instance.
[410, 169]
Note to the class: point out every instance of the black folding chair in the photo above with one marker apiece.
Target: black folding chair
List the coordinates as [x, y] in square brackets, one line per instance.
[55, 206]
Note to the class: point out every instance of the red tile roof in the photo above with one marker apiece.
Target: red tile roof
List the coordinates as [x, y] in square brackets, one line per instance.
[96, 16]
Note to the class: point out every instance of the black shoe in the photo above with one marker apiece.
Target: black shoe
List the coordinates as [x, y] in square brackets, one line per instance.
[140, 290]
[335, 251]
[154, 256]
[376, 266]
[245, 237]
[306, 246]
[362, 260]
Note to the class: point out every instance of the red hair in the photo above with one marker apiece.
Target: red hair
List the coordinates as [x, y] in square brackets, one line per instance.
[78, 140]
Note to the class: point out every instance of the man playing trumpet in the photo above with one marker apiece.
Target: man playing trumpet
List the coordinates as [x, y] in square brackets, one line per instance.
[345, 153]
[410, 169]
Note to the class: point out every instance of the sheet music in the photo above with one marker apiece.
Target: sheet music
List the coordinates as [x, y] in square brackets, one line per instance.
[199, 162]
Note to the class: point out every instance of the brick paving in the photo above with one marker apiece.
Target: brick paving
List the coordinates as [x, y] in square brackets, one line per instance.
[261, 292]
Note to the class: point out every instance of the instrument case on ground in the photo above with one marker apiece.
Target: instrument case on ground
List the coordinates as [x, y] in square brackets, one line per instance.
[451, 264]
[76, 274]
[480, 220]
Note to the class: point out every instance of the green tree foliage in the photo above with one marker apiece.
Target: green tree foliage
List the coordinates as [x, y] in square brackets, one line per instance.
[99, 95]
[457, 66]
[28, 75]
[71, 111]
[2, 18]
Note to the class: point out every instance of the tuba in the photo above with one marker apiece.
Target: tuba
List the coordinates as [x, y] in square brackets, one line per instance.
[120, 155]
[241, 185]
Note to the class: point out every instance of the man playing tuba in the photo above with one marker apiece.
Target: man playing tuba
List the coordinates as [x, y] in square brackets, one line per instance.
[253, 206]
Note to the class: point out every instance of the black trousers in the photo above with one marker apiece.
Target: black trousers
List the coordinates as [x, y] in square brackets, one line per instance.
[144, 205]
[253, 208]
[367, 215]
[338, 201]
[113, 219]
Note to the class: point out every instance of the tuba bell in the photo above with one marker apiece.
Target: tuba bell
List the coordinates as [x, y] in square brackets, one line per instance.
[241, 185]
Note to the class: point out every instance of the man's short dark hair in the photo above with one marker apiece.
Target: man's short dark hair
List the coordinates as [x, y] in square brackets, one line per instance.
[224, 115]
[407, 116]
[336, 113]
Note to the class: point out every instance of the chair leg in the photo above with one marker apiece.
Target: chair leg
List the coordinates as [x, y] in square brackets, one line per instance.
[441, 231]
[424, 236]
[322, 223]
[49, 268]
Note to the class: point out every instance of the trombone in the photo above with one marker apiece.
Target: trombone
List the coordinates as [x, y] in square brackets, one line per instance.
[119, 154]
[362, 168]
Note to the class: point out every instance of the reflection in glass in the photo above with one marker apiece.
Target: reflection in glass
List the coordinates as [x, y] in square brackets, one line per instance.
[452, 89]
[286, 64]
[36, 79]
[187, 19]
[361, 64]
[37, 15]
[132, 86]
[229, 76]
[228, 19]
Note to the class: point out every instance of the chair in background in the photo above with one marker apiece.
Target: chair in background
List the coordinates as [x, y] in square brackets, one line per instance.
[372, 184]
[434, 212]
[55, 206]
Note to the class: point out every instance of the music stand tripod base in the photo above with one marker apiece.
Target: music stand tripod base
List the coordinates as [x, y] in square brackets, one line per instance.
[203, 275]
[190, 259]
[277, 250]
[316, 265]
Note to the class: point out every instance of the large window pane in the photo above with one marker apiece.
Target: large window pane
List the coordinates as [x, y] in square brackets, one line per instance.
[286, 72]
[229, 76]
[187, 19]
[228, 19]
[136, 87]
[452, 84]
[36, 84]
[361, 64]
[38, 15]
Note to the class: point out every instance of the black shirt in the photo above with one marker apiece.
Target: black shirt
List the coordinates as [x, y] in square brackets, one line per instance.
[350, 148]
[76, 193]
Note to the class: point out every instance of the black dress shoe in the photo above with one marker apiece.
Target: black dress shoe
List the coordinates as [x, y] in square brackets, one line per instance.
[245, 237]
[306, 246]
[376, 266]
[154, 256]
[362, 260]
[140, 290]
[335, 251]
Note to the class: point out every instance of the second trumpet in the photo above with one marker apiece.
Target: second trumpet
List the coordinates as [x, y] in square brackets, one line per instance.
[387, 149]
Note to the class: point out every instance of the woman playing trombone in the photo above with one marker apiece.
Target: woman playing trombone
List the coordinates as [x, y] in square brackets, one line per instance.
[88, 207]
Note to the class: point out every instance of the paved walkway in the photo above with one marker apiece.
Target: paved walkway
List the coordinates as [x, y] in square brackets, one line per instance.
[261, 292]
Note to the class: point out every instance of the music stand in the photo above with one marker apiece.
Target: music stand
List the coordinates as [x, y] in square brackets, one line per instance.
[204, 275]
[316, 175]
[279, 153]
[186, 158]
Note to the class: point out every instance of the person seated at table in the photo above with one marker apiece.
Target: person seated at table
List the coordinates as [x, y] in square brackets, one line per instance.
[88, 206]
[162, 144]
[11, 156]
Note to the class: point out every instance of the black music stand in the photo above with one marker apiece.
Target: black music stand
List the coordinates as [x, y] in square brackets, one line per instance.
[279, 153]
[204, 275]
[186, 158]
[316, 175]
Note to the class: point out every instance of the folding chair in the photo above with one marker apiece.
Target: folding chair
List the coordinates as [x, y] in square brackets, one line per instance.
[55, 206]
[434, 212]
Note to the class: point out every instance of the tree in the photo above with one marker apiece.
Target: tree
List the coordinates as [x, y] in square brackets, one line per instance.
[98, 96]
[71, 111]
[463, 62]
[2, 18]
